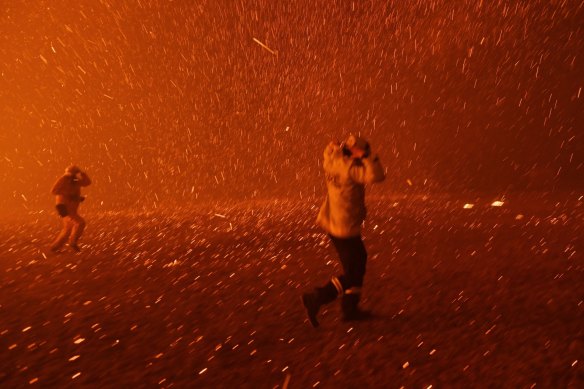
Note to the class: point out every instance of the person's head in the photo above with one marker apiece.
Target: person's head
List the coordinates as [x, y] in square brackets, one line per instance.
[72, 170]
[356, 147]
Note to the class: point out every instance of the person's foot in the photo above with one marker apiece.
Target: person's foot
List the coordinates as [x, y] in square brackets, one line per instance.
[357, 315]
[74, 247]
[312, 306]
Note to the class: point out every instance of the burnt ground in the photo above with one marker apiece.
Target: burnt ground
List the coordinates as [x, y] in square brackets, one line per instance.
[209, 297]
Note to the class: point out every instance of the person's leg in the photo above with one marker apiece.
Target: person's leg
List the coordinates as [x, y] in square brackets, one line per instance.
[356, 262]
[77, 230]
[344, 248]
[335, 287]
[63, 235]
[355, 274]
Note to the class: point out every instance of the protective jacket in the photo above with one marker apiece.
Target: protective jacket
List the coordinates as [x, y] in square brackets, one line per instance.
[67, 190]
[343, 210]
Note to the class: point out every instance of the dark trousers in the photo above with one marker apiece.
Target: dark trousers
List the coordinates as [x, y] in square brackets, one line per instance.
[353, 257]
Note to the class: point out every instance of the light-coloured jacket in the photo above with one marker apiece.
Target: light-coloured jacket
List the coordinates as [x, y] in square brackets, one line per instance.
[67, 190]
[343, 211]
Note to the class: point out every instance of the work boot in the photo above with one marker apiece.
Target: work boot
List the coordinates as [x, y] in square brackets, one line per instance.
[314, 300]
[351, 310]
[75, 247]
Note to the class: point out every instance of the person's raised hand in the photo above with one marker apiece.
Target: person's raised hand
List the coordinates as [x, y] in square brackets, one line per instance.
[357, 152]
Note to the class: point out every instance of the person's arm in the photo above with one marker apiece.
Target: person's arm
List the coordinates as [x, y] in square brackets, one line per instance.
[331, 152]
[369, 172]
[59, 186]
[84, 179]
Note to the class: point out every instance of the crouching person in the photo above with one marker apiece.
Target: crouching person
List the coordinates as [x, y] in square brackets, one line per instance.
[67, 191]
[348, 167]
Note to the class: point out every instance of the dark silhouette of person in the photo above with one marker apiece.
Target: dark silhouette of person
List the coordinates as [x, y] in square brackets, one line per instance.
[67, 191]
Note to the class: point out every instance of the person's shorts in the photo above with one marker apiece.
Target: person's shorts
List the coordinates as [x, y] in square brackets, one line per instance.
[62, 210]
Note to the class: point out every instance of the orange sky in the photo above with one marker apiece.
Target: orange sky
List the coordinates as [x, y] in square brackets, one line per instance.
[169, 102]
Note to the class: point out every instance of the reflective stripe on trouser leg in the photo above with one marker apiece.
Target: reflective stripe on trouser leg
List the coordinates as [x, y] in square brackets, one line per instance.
[353, 290]
[337, 283]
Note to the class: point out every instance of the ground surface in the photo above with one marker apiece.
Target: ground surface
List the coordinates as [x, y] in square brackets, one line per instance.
[209, 298]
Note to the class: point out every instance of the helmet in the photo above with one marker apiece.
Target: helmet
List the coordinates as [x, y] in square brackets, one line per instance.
[73, 169]
[358, 142]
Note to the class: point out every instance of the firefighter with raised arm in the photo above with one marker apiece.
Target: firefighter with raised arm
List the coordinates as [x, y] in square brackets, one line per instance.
[348, 167]
[67, 191]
